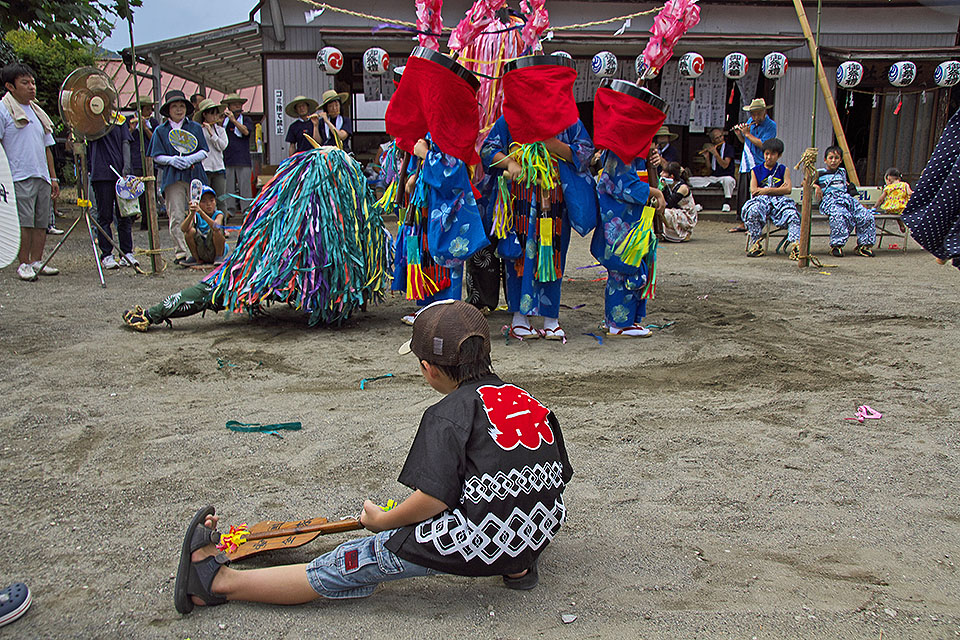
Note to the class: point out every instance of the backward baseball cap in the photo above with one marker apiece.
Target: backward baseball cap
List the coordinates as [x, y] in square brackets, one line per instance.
[441, 328]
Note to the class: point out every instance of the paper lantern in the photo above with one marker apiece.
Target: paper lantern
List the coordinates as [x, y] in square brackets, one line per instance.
[947, 74]
[849, 74]
[376, 61]
[604, 64]
[644, 72]
[562, 54]
[774, 65]
[902, 73]
[690, 65]
[330, 60]
[735, 65]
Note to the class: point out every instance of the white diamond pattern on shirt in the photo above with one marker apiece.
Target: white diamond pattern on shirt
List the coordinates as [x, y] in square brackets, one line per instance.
[452, 532]
[517, 481]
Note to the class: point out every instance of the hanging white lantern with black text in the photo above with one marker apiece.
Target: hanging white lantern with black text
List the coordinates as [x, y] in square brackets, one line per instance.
[947, 74]
[774, 65]
[604, 64]
[902, 73]
[376, 61]
[690, 65]
[849, 74]
[735, 65]
[330, 60]
[643, 71]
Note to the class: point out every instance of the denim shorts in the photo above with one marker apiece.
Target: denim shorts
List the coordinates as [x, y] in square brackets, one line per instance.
[355, 568]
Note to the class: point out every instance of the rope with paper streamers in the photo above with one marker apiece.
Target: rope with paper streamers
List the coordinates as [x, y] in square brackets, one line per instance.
[311, 239]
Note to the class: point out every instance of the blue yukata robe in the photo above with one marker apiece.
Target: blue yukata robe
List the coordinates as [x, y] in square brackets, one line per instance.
[845, 212]
[160, 146]
[622, 195]
[526, 294]
[453, 226]
[780, 210]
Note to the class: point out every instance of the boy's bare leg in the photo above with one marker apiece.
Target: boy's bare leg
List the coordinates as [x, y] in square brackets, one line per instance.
[274, 585]
[189, 236]
[218, 242]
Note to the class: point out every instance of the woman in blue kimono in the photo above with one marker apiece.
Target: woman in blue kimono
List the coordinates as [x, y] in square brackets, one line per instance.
[443, 227]
[526, 294]
[178, 170]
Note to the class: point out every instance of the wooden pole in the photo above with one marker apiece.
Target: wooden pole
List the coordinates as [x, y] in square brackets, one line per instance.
[805, 212]
[827, 93]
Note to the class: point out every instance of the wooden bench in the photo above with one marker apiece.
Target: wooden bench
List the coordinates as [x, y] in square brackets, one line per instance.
[868, 198]
[712, 194]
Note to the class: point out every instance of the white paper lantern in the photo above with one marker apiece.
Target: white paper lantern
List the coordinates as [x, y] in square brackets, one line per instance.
[376, 61]
[735, 65]
[562, 54]
[849, 74]
[902, 73]
[774, 65]
[643, 72]
[690, 65]
[330, 59]
[947, 74]
[604, 64]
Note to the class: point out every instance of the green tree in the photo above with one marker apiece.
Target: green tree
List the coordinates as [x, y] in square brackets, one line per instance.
[52, 61]
[86, 20]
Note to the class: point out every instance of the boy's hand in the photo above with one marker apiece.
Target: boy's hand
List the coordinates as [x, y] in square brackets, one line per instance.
[513, 169]
[194, 206]
[371, 516]
[420, 149]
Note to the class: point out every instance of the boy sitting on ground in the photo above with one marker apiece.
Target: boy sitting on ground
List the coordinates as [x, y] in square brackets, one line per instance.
[203, 230]
[844, 210]
[487, 467]
[770, 187]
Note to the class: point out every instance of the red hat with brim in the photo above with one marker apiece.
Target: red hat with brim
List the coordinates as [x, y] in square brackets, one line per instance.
[625, 119]
[436, 96]
[538, 97]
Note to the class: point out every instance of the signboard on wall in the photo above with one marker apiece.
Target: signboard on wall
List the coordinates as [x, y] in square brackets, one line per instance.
[278, 111]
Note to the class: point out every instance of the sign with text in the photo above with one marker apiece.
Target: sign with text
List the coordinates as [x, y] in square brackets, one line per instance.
[278, 111]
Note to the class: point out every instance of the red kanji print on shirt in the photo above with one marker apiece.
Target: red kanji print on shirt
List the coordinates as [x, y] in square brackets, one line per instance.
[516, 417]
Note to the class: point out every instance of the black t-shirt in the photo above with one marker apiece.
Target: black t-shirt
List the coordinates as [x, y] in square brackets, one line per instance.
[495, 456]
[295, 134]
[715, 168]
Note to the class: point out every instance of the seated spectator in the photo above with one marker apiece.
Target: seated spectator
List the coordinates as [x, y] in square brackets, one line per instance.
[770, 186]
[893, 199]
[844, 210]
[719, 156]
[680, 215]
[668, 152]
[204, 230]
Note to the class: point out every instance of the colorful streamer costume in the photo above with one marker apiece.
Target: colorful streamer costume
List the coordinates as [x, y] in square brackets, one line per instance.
[845, 212]
[533, 215]
[933, 212]
[441, 226]
[312, 239]
[626, 118]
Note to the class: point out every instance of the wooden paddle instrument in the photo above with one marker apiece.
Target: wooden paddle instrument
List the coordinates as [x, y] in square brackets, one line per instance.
[272, 534]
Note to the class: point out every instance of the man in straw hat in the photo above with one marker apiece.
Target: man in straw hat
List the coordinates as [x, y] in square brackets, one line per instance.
[302, 108]
[236, 157]
[752, 134]
[668, 152]
[178, 169]
[334, 122]
[142, 113]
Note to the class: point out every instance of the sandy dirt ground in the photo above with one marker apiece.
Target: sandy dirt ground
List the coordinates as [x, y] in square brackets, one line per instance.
[719, 492]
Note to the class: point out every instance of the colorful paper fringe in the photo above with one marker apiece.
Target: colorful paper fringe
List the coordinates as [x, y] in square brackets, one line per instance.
[231, 541]
[538, 21]
[633, 248]
[503, 209]
[429, 23]
[311, 239]
[676, 17]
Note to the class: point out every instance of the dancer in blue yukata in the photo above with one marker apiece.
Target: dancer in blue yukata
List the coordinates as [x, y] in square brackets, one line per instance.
[770, 186]
[844, 210]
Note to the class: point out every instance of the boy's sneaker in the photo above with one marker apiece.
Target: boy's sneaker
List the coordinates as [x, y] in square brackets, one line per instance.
[756, 250]
[109, 262]
[864, 250]
[53, 231]
[46, 271]
[836, 252]
[26, 272]
[793, 250]
[14, 602]
[129, 260]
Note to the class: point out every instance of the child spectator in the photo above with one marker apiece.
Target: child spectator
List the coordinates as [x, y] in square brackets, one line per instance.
[26, 133]
[893, 199]
[770, 187]
[308, 123]
[487, 467]
[203, 230]
[845, 212]
[178, 170]
[236, 157]
[209, 116]
[680, 215]
[106, 157]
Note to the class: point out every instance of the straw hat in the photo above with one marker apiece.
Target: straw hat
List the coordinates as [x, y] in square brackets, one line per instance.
[757, 104]
[144, 101]
[664, 131]
[172, 96]
[232, 97]
[331, 95]
[205, 105]
[291, 108]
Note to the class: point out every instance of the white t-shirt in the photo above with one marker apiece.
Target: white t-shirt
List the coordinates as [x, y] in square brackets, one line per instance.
[26, 148]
